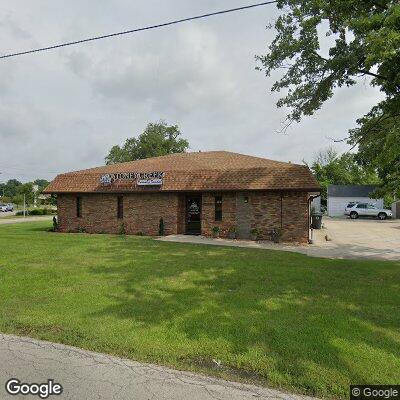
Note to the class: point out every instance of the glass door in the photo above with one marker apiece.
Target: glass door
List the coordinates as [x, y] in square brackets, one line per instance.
[193, 215]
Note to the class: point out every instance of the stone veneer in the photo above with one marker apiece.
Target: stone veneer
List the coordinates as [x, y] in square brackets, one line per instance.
[142, 213]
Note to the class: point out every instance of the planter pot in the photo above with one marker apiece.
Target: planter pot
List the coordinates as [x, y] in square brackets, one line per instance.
[254, 237]
[231, 235]
[215, 235]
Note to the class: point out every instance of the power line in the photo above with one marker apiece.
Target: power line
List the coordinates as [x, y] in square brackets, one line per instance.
[179, 21]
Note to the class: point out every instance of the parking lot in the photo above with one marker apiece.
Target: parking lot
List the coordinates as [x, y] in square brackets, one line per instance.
[361, 238]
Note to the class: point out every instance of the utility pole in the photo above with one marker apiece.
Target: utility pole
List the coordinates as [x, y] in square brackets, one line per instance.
[3, 186]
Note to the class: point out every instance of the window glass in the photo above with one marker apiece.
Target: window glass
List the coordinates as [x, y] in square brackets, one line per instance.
[218, 208]
[120, 207]
[361, 206]
[79, 207]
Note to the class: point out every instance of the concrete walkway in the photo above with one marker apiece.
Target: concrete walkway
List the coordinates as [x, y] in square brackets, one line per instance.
[360, 239]
[87, 375]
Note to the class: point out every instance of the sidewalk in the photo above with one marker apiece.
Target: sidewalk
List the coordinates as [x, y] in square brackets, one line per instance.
[17, 220]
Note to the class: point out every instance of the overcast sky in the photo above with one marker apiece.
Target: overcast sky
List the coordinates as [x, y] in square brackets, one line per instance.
[62, 110]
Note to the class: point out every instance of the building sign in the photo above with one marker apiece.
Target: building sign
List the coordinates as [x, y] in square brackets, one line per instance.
[141, 178]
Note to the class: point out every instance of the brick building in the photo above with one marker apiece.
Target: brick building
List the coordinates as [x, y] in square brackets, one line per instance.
[192, 193]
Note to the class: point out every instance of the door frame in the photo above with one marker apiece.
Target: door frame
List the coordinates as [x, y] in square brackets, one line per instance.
[200, 198]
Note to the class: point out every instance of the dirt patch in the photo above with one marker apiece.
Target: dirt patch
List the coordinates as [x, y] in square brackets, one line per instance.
[207, 364]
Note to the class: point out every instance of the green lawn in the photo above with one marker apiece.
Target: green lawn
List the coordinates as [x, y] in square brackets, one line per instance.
[281, 319]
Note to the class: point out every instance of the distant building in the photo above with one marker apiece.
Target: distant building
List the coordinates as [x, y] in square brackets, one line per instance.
[341, 195]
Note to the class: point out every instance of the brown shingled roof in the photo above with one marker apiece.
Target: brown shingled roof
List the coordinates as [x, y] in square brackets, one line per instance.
[214, 170]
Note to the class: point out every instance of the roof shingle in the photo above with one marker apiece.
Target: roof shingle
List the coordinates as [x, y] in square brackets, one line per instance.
[214, 170]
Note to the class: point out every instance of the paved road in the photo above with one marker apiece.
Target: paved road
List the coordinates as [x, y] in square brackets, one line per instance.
[6, 214]
[87, 375]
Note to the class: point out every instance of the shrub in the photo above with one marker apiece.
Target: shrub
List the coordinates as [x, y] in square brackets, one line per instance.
[18, 213]
[55, 224]
[215, 231]
[255, 233]
[161, 228]
[36, 211]
[122, 229]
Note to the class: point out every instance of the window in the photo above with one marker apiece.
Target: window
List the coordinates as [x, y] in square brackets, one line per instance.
[79, 207]
[218, 208]
[361, 205]
[120, 207]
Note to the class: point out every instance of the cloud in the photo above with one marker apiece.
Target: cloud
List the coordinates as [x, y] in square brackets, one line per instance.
[63, 110]
[179, 72]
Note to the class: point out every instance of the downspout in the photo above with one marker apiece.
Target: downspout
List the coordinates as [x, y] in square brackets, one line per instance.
[281, 211]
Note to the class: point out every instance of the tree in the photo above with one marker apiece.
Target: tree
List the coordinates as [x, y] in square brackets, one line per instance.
[366, 42]
[331, 169]
[158, 139]
[24, 189]
[10, 188]
[41, 183]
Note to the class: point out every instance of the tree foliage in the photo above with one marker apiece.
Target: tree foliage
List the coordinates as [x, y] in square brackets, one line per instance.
[158, 139]
[13, 191]
[365, 42]
[331, 169]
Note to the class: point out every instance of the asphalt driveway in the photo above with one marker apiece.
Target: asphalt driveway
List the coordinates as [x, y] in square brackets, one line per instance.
[361, 238]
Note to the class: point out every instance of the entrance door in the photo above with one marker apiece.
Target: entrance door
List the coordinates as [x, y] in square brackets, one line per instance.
[243, 216]
[193, 215]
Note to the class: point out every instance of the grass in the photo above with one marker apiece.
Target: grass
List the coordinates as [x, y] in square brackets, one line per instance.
[304, 324]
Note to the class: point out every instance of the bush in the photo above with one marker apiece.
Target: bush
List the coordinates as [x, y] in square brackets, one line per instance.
[255, 234]
[161, 228]
[215, 231]
[36, 211]
[19, 213]
[122, 229]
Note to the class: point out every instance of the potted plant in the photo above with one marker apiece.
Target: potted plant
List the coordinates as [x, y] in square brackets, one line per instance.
[215, 231]
[232, 232]
[255, 233]
[276, 235]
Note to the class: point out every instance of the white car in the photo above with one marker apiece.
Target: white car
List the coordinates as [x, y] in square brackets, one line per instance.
[3, 208]
[355, 210]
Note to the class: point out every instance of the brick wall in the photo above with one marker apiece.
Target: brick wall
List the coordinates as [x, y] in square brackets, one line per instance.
[208, 213]
[267, 215]
[295, 217]
[142, 213]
